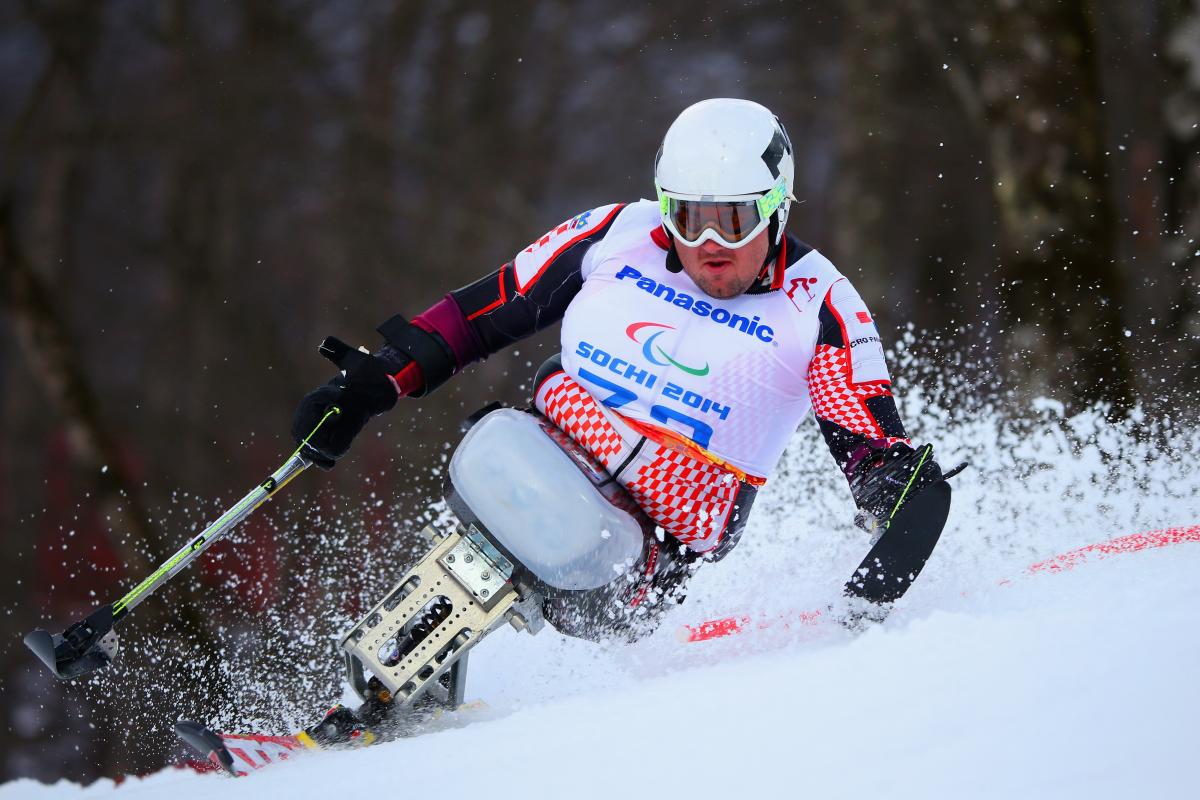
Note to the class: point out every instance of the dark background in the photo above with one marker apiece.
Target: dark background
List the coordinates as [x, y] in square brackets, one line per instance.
[192, 194]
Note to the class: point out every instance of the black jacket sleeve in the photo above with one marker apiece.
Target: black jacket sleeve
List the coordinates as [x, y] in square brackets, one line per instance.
[532, 292]
[854, 417]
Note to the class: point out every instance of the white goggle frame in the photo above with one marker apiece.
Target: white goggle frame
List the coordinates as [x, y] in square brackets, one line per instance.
[768, 203]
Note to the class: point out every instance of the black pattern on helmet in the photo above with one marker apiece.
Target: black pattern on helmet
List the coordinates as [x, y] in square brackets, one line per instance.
[779, 146]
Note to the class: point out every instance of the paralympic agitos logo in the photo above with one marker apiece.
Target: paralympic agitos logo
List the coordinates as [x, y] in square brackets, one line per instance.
[650, 347]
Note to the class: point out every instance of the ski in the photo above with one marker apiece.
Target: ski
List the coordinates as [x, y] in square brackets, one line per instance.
[240, 754]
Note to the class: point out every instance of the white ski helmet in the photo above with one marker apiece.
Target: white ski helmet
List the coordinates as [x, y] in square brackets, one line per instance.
[724, 173]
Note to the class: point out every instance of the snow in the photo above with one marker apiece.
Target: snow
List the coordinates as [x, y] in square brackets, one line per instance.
[987, 681]
[1078, 684]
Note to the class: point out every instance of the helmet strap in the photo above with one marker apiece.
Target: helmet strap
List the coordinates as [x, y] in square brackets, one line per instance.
[770, 277]
[769, 268]
[773, 238]
[674, 265]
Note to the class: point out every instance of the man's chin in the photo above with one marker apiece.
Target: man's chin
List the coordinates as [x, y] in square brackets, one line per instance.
[720, 290]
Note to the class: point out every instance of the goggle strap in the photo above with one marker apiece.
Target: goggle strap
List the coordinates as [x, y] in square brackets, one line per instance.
[770, 202]
[767, 205]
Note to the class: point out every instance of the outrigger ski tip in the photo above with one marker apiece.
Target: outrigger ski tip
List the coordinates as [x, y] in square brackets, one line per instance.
[206, 742]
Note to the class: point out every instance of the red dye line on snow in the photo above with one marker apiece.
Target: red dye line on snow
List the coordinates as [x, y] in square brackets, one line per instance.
[1122, 544]
[1133, 543]
[728, 626]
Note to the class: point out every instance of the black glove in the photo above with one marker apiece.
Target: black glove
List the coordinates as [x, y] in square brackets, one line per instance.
[359, 394]
[882, 480]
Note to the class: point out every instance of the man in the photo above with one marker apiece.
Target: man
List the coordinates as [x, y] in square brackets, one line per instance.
[696, 335]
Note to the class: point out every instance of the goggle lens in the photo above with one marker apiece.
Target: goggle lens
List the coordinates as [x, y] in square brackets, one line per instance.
[733, 221]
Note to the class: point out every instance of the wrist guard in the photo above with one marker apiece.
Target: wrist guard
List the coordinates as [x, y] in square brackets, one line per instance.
[430, 352]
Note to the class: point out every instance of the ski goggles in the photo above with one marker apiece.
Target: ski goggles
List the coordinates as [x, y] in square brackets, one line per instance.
[729, 221]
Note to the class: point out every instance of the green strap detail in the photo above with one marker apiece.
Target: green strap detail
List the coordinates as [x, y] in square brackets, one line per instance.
[271, 488]
[332, 412]
[182, 554]
[911, 478]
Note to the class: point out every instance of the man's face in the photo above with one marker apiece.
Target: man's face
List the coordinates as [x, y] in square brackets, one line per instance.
[720, 272]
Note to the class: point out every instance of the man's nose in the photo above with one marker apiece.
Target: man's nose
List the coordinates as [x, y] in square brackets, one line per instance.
[710, 248]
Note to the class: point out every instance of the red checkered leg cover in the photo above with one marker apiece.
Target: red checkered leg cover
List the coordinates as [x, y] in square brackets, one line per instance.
[575, 412]
[688, 498]
[838, 400]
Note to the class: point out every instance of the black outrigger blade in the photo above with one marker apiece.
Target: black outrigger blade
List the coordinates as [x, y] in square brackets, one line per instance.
[906, 544]
[84, 647]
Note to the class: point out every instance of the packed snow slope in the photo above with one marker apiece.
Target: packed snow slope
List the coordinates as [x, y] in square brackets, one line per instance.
[1079, 684]
[986, 681]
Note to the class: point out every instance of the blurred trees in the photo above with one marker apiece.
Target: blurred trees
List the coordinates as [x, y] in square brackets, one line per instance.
[193, 194]
[1028, 77]
[1181, 163]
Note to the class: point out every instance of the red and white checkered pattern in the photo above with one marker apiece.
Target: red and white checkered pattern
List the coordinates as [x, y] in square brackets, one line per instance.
[836, 399]
[575, 412]
[688, 498]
